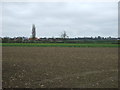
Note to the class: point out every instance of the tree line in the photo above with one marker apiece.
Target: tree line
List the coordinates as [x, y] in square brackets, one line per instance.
[63, 39]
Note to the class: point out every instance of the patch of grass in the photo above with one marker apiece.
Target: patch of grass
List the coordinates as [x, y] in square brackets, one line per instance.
[58, 45]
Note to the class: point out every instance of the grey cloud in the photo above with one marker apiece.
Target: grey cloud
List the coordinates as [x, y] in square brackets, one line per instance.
[78, 19]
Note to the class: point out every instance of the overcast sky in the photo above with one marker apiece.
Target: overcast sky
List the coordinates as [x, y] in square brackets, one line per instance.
[78, 19]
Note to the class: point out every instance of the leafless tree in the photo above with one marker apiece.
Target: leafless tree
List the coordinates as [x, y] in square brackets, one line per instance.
[64, 35]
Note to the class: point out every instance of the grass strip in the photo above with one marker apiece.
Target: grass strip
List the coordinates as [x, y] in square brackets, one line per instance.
[58, 45]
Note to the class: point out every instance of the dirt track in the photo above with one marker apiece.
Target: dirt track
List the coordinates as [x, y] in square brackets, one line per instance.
[55, 67]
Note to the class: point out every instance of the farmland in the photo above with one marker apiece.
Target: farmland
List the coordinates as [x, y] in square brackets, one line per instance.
[59, 44]
[56, 67]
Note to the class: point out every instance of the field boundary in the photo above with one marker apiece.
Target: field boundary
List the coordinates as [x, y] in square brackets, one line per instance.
[58, 45]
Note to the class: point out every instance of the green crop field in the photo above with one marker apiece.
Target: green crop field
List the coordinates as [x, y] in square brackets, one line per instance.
[58, 45]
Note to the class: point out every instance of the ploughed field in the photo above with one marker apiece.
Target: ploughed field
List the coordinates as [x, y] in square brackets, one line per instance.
[56, 67]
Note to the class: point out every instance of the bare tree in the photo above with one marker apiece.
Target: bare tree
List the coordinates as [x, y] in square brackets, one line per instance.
[64, 35]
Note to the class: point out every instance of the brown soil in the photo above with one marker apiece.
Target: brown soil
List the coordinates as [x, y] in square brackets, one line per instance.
[56, 67]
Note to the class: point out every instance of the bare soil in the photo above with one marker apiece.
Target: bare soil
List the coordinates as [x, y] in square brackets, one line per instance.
[59, 67]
